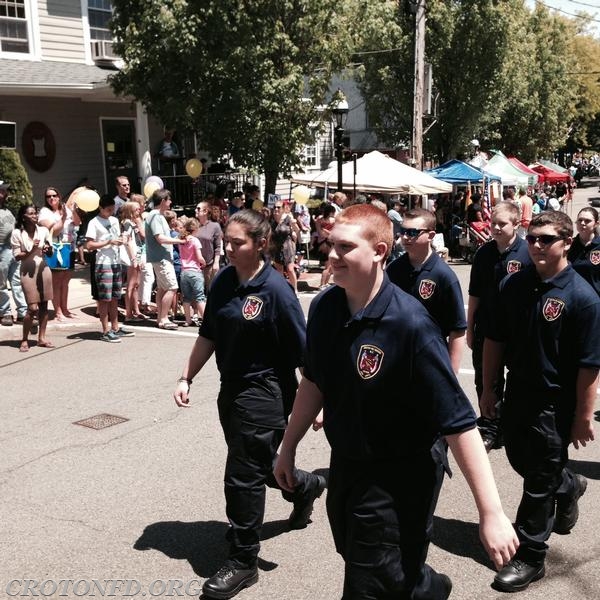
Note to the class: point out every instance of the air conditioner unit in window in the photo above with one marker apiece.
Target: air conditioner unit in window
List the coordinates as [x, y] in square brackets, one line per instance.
[102, 51]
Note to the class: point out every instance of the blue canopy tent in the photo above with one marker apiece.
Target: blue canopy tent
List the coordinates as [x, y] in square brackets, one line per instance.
[460, 173]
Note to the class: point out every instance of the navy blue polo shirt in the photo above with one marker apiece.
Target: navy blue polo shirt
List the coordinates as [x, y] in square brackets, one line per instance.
[490, 267]
[550, 329]
[586, 260]
[385, 375]
[435, 286]
[258, 329]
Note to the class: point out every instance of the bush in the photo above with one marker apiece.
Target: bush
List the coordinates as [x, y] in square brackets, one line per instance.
[13, 173]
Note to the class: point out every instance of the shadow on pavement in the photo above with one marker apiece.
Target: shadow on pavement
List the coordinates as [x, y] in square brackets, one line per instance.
[587, 468]
[203, 543]
[460, 538]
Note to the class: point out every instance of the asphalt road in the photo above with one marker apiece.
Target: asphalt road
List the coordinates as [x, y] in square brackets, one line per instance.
[142, 501]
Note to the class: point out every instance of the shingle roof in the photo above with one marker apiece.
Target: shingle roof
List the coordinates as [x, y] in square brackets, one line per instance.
[24, 74]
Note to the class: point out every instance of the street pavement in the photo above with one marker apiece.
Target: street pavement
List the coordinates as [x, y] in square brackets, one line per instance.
[142, 500]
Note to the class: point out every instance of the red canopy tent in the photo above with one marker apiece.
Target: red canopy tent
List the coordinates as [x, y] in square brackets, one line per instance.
[550, 176]
[523, 167]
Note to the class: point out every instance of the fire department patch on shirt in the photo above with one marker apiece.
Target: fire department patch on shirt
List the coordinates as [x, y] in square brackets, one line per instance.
[512, 266]
[252, 307]
[595, 257]
[553, 308]
[426, 288]
[369, 361]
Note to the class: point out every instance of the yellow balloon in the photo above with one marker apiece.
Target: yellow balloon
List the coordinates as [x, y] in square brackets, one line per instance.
[150, 188]
[87, 200]
[301, 194]
[193, 168]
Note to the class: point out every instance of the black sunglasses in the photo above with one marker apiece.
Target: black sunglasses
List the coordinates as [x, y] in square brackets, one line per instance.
[412, 232]
[543, 239]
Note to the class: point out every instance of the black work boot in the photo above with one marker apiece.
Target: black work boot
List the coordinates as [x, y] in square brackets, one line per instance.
[567, 509]
[517, 575]
[300, 516]
[228, 581]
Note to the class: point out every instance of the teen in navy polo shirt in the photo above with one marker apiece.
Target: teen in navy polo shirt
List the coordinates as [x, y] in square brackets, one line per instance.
[584, 253]
[545, 326]
[505, 254]
[421, 273]
[377, 364]
[254, 324]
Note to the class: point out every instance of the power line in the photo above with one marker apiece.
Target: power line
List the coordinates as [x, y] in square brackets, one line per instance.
[564, 12]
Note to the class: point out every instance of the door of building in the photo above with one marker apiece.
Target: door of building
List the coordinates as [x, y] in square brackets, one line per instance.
[120, 154]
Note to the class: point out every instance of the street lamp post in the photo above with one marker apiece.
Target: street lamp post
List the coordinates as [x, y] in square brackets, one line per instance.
[340, 112]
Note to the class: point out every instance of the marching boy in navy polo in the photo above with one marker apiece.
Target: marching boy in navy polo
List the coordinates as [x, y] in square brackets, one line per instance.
[421, 273]
[505, 254]
[545, 328]
[377, 364]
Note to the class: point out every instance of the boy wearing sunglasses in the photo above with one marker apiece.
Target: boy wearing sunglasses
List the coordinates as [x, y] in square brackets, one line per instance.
[364, 335]
[421, 273]
[504, 254]
[545, 329]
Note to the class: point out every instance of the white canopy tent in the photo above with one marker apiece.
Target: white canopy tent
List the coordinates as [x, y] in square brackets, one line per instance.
[377, 172]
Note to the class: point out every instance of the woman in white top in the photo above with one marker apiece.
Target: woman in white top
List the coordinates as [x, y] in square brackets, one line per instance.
[29, 243]
[60, 221]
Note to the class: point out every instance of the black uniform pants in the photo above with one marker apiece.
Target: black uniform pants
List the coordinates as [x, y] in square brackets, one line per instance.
[251, 454]
[537, 448]
[381, 517]
[487, 427]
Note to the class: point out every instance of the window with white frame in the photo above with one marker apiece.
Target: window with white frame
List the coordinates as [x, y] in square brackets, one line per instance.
[14, 35]
[99, 13]
[311, 151]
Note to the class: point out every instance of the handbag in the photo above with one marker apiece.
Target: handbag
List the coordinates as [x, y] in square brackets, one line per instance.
[60, 257]
[123, 256]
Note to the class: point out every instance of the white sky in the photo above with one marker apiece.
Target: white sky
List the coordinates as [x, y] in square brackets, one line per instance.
[569, 8]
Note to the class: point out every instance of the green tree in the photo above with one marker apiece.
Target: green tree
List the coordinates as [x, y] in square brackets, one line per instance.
[540, 103]
[467, 42]
[13, 173]
[249, 76]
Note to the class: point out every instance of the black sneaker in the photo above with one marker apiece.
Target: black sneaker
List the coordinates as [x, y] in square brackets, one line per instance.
[124, 333]
[567, 509]
[229, 581]
[300, 516]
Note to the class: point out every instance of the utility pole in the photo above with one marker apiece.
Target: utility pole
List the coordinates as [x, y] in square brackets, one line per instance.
[417, 137]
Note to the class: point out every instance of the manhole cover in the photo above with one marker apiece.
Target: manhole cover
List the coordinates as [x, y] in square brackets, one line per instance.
[101, 421]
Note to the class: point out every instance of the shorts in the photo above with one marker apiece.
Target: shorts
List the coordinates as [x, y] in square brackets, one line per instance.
[109, 281]
[192, 286]
[165, 275]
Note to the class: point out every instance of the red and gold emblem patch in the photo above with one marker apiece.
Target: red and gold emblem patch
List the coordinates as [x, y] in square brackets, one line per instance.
[513, 266]
[369, 361]
[252, 307]
[595, 257]
[426, 288]
[553, 308]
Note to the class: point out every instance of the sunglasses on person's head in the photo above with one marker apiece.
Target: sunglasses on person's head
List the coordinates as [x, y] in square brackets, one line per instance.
[412, 232]
[543, 239]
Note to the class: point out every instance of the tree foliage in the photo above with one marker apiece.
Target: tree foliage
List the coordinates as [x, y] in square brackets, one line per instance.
[502, 73]
[13, 173]
[249, 76]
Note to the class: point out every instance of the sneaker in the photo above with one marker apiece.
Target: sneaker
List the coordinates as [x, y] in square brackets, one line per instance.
[111, 337]
[121, 333]
[6, 320]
